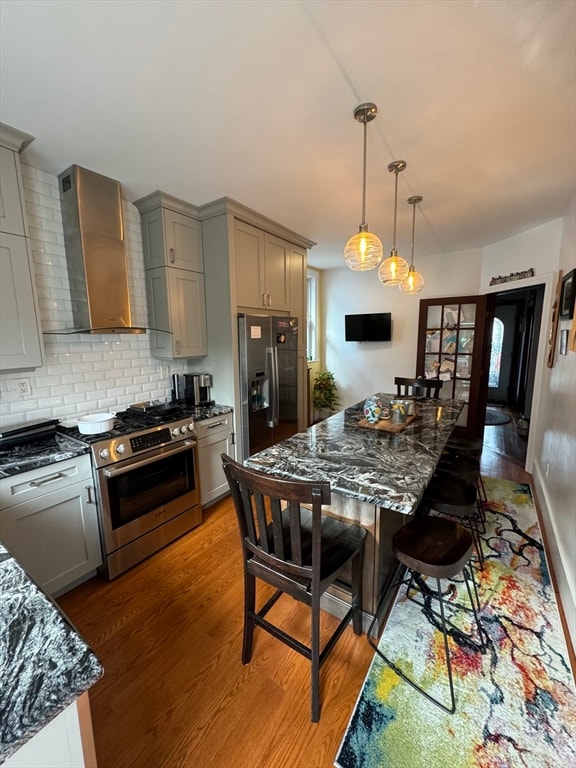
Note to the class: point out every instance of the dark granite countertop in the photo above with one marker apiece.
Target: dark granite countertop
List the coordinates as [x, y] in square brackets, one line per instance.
[212, 410]
[386, 469]
[40, 453]
[45, 663]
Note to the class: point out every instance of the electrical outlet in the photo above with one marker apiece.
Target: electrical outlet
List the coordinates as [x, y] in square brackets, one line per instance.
[23, 386]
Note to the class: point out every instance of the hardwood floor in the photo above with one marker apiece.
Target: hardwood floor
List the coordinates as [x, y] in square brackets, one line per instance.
[175, 693]
[505, 442]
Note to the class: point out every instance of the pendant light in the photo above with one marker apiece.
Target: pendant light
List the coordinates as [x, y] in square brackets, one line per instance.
[413, 282]
[394, 269]
[363, 251]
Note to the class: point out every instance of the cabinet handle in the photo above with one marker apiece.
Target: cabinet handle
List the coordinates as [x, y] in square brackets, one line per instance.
[218, 424]
[172, 256]
[49, 479]
[88, 488]
[263, 299]
[269, 299]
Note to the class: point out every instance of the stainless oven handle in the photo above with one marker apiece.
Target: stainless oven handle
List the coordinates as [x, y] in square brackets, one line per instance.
[114, 472]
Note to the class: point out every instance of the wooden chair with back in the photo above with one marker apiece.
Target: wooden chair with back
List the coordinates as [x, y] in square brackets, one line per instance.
[299, 551]
[417, 387]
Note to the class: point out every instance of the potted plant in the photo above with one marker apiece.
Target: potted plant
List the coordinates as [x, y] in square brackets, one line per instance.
[324, 395]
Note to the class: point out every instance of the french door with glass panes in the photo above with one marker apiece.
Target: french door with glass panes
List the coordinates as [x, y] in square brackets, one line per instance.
[454, 346]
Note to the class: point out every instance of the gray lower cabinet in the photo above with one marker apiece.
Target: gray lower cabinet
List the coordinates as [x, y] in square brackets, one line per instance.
[49, 523]
[20, 337]
[215, 436]
[176, 313]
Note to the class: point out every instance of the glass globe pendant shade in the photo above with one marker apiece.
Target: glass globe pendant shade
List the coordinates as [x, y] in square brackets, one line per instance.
[363, 251]
[393, 270]
[413, 282]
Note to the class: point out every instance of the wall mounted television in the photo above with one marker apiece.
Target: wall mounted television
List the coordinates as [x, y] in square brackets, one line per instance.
[368, 327]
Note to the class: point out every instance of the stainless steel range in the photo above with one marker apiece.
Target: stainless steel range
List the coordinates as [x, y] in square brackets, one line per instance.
[146, 476]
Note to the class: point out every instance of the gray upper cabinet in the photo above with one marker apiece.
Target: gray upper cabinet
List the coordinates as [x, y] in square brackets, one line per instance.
[21, 345]
[262, 269]
[11, 215]
[174, 265]
[171, 239]
[177, 307]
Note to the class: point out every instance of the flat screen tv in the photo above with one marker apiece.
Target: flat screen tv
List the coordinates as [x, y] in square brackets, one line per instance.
[369, 327]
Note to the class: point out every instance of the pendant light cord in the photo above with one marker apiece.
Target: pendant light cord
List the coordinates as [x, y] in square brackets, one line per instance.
[412, 243]
[363, 224]
[395, 210]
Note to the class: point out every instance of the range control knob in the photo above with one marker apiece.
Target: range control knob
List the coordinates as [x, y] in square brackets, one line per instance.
[183, 429]
[191, 427]
[175, 432]
[120, 448]
[104, 453]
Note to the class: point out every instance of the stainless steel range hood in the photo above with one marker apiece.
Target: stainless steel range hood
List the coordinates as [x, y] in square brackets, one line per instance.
[95, 253]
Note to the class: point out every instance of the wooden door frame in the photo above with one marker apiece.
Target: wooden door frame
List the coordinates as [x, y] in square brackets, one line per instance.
[549, 280]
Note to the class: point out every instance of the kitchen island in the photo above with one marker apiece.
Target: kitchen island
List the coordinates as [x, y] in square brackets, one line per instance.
[46, 668]
[377, 477]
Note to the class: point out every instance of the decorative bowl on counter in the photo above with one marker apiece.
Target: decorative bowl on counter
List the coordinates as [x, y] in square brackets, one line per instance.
[95, 423]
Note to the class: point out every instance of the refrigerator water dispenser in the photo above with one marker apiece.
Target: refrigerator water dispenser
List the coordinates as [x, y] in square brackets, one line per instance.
[259, 397]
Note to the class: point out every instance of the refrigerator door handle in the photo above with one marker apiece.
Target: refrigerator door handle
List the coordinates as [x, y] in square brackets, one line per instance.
[272, 354]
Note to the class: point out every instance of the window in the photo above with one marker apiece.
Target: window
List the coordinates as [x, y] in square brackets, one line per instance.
[312, 314]
[496, 353]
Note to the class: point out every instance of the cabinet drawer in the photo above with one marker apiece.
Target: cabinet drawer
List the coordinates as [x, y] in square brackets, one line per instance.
[213, 426]
[38, 482]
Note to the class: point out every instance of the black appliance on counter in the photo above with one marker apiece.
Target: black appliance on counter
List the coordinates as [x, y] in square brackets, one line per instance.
[192, 388]
[146, 477]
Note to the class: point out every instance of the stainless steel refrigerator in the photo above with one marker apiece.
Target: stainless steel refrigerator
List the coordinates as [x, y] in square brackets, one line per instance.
[268, 348]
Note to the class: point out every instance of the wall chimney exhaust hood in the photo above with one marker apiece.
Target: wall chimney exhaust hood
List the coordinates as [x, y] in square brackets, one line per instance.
[95, 253]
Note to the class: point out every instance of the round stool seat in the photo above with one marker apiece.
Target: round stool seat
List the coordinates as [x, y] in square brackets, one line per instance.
[451, 495]
[464, 467]
[433, 546]
[465, 446]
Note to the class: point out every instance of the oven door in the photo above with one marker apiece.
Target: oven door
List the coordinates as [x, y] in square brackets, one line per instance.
[142, 493]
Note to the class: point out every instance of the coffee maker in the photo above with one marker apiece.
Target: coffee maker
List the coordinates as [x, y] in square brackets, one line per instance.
[192, 388]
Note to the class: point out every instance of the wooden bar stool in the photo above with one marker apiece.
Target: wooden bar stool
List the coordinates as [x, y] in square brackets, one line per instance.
[288, 543]
[472, 448]
[450, 495]
[437, 548]
[467, 469]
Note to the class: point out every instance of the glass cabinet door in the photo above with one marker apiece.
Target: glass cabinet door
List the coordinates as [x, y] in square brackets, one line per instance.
[452, 345]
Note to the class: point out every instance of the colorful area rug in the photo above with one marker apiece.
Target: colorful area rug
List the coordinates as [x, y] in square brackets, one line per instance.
[515, 705]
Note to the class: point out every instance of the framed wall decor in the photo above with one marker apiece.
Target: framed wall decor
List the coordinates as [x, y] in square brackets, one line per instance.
[567, 298]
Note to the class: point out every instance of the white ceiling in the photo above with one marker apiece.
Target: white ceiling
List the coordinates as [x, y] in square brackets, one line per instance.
[254, 100]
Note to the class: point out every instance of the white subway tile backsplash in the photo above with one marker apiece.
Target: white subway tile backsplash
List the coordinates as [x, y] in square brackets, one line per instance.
[81, 373]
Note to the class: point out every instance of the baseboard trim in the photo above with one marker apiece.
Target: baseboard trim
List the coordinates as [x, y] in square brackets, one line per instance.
[556, 553]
